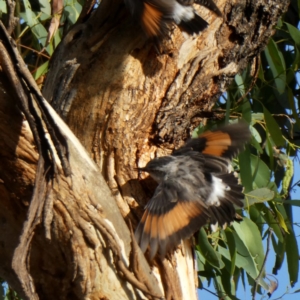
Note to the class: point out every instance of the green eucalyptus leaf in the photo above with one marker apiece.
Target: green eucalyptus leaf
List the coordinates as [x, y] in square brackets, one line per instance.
[232, 249]
[240, 83]
[255, 134]
[269, 217]
[248, 232]
[291, 99]
[279, 248]
[277, 65]
[294, 34]
[208, 251]
[273, 128]
[245, 166]
[292, 254]
[3, 6]
[289, 202]
[260, 172]
[41, 70]
[257, 117]
[222, 294]
[45, 7]
[259, 195]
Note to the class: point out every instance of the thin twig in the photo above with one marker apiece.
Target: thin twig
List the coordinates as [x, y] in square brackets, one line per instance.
[255, 76]
[263, 265]
[12, 20]
[39, 53]
[207, 290]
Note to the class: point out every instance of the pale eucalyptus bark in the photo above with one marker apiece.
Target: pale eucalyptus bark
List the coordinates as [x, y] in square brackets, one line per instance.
[126, 104]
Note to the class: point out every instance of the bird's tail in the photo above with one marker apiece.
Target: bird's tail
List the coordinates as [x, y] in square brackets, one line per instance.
[194, 25]
[210, 5]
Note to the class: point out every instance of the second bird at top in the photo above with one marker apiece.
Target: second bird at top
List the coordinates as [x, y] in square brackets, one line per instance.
[153, 15]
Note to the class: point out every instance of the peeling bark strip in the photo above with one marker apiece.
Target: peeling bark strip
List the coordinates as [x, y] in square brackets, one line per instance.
[41, 190]
[126, 104]
[32, 104]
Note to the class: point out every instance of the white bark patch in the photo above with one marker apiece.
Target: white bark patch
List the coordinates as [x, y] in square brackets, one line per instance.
[185, 270]
[119, 241]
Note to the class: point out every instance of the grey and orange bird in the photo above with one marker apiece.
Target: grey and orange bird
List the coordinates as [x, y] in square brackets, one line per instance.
[195, 186]
[154, 15]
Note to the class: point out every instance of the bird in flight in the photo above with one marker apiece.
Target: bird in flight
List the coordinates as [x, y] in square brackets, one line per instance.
[195, 186]
[154, 15]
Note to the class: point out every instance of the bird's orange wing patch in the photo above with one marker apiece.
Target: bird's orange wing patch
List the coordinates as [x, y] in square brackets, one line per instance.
[164, 228]
[151, 20]
[217, 142]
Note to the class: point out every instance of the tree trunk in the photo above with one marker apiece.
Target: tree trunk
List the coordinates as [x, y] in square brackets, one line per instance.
[126, 103]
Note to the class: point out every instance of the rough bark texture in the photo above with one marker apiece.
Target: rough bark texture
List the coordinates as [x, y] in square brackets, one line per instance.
[88, 248]
[126, 104]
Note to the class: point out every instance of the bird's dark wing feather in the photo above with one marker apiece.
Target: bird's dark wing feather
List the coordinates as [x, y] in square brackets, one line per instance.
[210, 5]
[225, 142]
[168, 219]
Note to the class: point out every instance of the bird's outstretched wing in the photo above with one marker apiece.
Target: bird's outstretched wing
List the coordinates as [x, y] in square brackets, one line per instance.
[197, 187]
[225, 142]
[168, 219]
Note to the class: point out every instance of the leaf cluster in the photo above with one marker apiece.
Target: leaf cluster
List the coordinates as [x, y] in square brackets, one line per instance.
[35, 41]
[266, 95]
